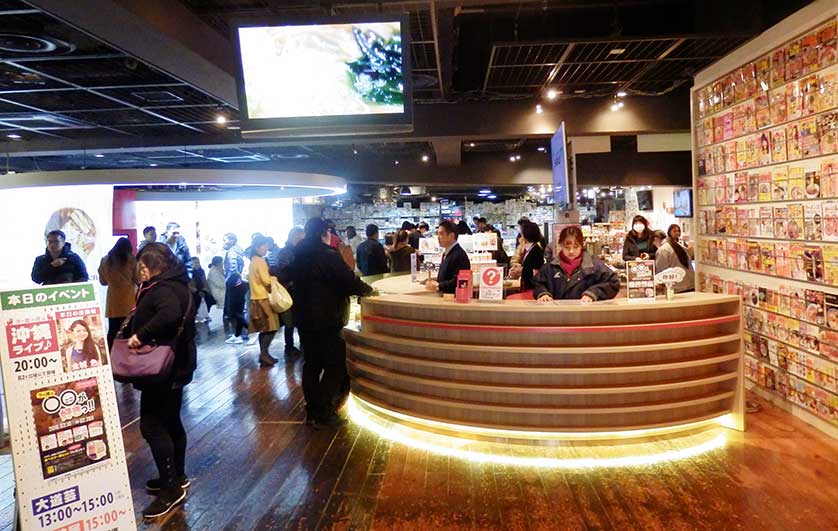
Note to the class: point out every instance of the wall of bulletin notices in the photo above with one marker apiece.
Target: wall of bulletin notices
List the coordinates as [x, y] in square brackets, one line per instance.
[765, 130]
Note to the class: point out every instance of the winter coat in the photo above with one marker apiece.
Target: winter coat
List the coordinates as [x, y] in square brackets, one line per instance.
[217, 286]
[72, 270]
[181, 250]
[161, 304]
[122, 286]
[371, 258]
[631, 248]
[234, 266]
[592, 278]
[531, 265]
[322, 286]
[400, 259]
[666, 258]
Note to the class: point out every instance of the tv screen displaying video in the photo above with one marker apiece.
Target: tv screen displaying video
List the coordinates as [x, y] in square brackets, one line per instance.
[324, 74]
[683, 201]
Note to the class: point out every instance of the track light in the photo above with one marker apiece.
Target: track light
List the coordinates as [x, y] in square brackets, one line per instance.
[552, 94]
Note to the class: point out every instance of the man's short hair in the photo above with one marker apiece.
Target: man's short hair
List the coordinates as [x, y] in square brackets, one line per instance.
[423, 225]
[231, 236]
[372, 230]
[531, 232]
[450, 227]
[58, 233]
[408, 226]
[148, 229]
[216, 261]
[171, 226]
[316, 228]
[482, 220]
[523, 220]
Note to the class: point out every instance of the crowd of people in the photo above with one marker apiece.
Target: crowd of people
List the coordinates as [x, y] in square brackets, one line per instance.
[156, 296]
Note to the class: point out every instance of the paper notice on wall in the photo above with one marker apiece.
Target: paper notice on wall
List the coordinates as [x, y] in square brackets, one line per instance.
[66, 438]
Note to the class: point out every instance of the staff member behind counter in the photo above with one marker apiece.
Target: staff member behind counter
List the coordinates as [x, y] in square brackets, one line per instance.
[575, 274]
[454, 259]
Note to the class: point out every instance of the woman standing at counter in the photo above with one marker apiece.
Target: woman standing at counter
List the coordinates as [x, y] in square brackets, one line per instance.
[532, 258]
[400, 253]
[575, 274]
[638, 242]
[672, 253]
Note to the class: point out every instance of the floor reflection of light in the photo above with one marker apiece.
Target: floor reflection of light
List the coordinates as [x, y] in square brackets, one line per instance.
[568, 457]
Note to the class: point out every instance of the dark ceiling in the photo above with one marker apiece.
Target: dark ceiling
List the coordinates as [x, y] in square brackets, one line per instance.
[60, 85]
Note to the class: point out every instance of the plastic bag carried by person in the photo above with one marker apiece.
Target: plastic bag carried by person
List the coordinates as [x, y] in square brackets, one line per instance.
[279, 298]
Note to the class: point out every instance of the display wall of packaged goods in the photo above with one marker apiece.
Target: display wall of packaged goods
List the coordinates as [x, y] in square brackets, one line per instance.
[765, 125]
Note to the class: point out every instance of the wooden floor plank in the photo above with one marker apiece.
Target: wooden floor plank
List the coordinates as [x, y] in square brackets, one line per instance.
[254, 465]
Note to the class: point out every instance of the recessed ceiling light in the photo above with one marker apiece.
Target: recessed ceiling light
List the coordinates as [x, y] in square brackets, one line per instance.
[99, 156]
[617, 51]
[492, 196]
[517, 157]
[512, 158]
[425, 158]
[579, 91]
[14, 136]
[621, 94]
[433, 198]
[220, 119]
[542, 149]
[153, 165]
[538, 109]
[471, 144]
[552, 94]
[354, 151]
[615, 107]
[397, 163]
[485, 191]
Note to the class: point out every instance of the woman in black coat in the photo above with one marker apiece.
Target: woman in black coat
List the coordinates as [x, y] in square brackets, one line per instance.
[532, 256]
[574, 274]
[639, 241]
[164, 315]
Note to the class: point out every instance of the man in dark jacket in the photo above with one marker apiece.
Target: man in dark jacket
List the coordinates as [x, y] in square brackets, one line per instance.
[370, 256]
[418, 234]
[322, 286]
[282, 271]
[236, 295]
[177, 244]
[454, 259]
[59, 264]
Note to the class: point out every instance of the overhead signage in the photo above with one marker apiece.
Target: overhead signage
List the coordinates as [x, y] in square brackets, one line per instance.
[66, 437]
[558, 157]
[640, 276]
[491, 284]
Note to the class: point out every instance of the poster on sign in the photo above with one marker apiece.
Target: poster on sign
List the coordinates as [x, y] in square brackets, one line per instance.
[640, 277]
[491, 284]
[66, 438]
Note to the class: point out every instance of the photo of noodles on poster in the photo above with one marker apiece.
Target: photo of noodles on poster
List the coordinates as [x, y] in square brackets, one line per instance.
[69, 426]
[81, 336]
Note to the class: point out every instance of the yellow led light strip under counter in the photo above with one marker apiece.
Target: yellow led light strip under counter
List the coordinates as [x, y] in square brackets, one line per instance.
[364, 414]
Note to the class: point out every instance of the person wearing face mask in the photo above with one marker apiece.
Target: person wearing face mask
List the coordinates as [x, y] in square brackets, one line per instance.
[638, 243]
[575, 274]
[672, 253]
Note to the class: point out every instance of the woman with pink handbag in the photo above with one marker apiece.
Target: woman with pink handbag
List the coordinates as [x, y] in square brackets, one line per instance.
[164, 316]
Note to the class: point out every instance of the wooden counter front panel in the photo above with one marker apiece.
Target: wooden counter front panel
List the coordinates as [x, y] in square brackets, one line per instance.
[545, 370]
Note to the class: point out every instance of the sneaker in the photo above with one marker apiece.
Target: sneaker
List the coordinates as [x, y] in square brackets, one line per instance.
[249, 341]
[234, 340]
[167, 500]
[153, 486]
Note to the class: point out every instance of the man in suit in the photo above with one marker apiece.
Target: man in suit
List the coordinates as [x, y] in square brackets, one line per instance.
[454, 259]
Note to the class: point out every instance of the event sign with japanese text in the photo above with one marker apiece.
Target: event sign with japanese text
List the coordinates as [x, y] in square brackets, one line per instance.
[640, 277]
[65, 432]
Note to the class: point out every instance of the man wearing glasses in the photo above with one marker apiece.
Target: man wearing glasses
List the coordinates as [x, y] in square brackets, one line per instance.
[59, 264]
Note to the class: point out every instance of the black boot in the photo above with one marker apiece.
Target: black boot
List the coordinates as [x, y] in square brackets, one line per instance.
[171, 493]
[266, 360]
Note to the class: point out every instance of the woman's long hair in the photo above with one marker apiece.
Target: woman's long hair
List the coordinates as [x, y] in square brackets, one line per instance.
[89, 347]
[121, 252]
[647, 232]
[158, 257]
[679, 250]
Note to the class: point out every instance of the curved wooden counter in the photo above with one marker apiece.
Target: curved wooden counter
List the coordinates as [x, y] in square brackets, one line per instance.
[559, 367]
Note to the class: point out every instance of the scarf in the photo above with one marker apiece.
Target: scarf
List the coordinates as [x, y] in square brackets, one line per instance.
[568, 265]
[680, 252]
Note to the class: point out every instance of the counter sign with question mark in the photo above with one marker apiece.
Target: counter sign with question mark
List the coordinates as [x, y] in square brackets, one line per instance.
[491, 283]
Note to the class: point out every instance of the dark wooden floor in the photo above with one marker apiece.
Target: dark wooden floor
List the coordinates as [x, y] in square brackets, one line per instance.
[254, 465]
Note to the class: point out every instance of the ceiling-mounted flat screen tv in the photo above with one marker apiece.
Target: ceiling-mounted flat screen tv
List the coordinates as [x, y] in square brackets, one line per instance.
[334, 77]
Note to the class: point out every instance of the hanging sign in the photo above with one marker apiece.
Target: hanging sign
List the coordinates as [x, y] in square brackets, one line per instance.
[640, 275]
[66, 437]
[491, 283]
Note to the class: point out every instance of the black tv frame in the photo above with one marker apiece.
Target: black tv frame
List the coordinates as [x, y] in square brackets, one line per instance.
[690, 194]
[326, 125]
[651, 204]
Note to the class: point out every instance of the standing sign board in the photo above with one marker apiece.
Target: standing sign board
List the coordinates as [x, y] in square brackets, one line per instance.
[640, 276]
[66, 437]
[491, 284]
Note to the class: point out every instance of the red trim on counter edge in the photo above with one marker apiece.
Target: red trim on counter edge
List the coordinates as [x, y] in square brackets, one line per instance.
[567, 329]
